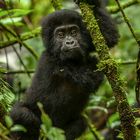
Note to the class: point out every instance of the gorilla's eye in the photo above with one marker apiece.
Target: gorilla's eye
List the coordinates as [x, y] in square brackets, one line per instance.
[73, 32]
[60, 34]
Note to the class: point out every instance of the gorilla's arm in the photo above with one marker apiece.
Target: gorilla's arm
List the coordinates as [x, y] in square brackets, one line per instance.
[106, 23]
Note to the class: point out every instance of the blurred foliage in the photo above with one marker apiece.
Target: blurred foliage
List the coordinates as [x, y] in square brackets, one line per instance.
[21, 16]
[47, 130]
[6, 99]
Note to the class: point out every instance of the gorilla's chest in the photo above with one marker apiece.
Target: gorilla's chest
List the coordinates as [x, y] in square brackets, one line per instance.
[72, 78]
[69, 95]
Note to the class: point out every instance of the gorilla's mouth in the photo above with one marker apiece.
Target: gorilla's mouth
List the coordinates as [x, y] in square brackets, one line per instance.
[74, 53]
[73, 48]
[67, 49]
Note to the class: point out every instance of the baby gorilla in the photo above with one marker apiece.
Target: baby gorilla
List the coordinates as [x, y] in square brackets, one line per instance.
[66, 74]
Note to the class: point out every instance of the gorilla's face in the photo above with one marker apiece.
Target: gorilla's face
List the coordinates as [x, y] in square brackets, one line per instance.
[67, 42]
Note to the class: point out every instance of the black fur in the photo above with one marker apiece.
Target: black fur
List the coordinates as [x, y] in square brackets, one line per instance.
[63, 87]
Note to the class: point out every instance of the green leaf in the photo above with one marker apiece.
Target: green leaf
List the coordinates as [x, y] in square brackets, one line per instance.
[2, 70]
[3, 13]
[21, 12]
[56, 134]
[8, 121]
[111, 103]
[18, 127]
[14, 13]
[43, 129]
[44, 117]
[113, 118]
[137, 121]
[10, 21]
[6, 96]
[46, 120]
[120, 136]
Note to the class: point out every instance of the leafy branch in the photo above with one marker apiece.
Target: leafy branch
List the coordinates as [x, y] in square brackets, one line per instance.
[23, 37]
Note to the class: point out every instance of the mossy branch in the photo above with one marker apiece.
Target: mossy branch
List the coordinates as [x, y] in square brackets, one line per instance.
[115, 9]
[110, 68]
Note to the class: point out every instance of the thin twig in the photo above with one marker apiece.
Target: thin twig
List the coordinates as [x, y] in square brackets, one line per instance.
[137, 89]
[18, 72]
[92, 128]
[127, 22]
[21, 61]
[115, 9]
[129, 62]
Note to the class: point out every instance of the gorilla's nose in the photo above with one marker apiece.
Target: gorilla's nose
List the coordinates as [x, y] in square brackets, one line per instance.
[70, 42]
